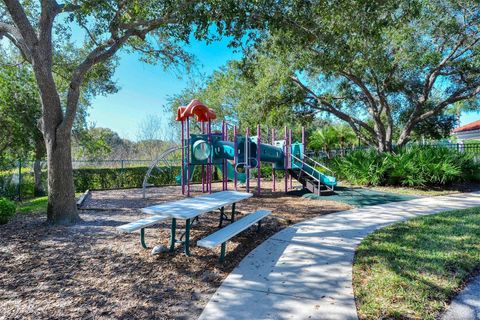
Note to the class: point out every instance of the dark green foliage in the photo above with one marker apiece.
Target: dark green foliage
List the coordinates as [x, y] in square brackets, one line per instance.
[109, 178]
[360, 167]
[413, 166]
[7, 210]
[112, 178]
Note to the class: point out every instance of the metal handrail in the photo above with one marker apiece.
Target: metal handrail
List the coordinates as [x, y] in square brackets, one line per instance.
[319, 183]
[316, 179]
[318, 163]
[304, 170]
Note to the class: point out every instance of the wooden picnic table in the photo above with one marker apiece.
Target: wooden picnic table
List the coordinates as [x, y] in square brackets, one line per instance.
[191, 208]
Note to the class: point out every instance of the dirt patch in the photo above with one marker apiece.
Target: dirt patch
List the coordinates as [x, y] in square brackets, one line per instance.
[90, 271]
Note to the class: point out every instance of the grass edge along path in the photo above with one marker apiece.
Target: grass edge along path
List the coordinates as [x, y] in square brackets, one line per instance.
[412, 269]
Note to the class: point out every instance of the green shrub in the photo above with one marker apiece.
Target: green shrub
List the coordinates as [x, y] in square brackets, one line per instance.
[412, 167]
[7, 210]
[109, 178]
[361, 167]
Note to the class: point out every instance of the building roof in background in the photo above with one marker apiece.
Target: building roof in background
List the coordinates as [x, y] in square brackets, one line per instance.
[475, 125]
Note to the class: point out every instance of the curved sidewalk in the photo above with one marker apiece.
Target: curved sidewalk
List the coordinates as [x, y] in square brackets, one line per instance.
[465, 306]
[305, 271]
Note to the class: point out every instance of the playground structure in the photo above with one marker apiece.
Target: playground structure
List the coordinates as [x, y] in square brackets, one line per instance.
[235, 159]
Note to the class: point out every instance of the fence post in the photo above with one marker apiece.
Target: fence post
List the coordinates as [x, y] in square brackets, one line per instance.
[122, 174]
[19, 188]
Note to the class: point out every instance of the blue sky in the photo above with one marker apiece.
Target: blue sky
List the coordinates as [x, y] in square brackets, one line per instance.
[468, 117]
[144, 88]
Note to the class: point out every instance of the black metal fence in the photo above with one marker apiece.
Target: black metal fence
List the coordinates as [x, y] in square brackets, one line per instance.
[472, 148]
[17, 178]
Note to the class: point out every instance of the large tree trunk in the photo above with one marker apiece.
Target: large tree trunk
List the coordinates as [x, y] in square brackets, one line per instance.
[62, 207]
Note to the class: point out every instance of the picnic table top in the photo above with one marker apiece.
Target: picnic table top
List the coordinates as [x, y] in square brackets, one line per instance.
[192, 207]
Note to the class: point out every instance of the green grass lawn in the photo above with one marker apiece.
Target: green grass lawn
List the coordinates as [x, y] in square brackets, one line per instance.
[412, 269]
[36, 205]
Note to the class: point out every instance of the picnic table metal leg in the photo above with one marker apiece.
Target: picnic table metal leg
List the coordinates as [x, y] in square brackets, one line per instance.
[222, 251]
[224, 217]
[186, 244]
[142, 238]
[233, 213]
[222, 214]
[172, 234]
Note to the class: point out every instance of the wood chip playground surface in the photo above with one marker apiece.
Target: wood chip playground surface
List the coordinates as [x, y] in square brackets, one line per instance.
[91, 271]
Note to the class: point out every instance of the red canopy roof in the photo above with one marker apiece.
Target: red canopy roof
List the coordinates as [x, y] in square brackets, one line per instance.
[195, 107]
[468, 127]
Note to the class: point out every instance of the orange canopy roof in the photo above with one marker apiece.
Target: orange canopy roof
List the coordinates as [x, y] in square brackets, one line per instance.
[201, 112]
[469, 127]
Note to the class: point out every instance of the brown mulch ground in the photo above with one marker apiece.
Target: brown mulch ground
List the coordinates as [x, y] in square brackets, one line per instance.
[89, 271]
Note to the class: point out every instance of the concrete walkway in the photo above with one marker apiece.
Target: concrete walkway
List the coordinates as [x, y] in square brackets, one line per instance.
[465, 306]
[305, 271]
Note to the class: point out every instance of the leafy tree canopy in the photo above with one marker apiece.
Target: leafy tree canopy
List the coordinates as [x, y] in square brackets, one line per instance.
[380, 66]
[156, 29]
[19, 111]
[242, 94]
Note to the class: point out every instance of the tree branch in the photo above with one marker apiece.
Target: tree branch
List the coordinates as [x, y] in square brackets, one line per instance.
[465, 93]
[21, 21]
[13, 34]
[373, 109]
[330, 108]
[99, 54]
[50, 9]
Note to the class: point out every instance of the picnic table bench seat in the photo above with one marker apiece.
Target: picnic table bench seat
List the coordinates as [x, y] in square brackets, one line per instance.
[141, 225]
[223, 235]
[188, 209]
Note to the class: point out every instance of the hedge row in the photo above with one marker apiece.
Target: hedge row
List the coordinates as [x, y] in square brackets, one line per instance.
[108, 178]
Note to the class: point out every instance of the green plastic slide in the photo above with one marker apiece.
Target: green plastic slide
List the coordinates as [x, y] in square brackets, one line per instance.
[241, 177]
[325, 179]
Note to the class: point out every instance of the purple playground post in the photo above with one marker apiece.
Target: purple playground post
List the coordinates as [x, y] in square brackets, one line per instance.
[182, 166]
[303, 144]
[209, 176]
[290, 158]
[247, 160]
[188, 156]
[225, 169]
[273, 165]
[258, 160]
[223, 161]
[203, 166]
[285, 150]
[235, 157]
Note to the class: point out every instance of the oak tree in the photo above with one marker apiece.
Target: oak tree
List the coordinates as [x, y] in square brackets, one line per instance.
[154, 28]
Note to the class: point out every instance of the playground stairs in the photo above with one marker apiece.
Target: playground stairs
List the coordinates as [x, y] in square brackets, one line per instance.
[310, 183]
